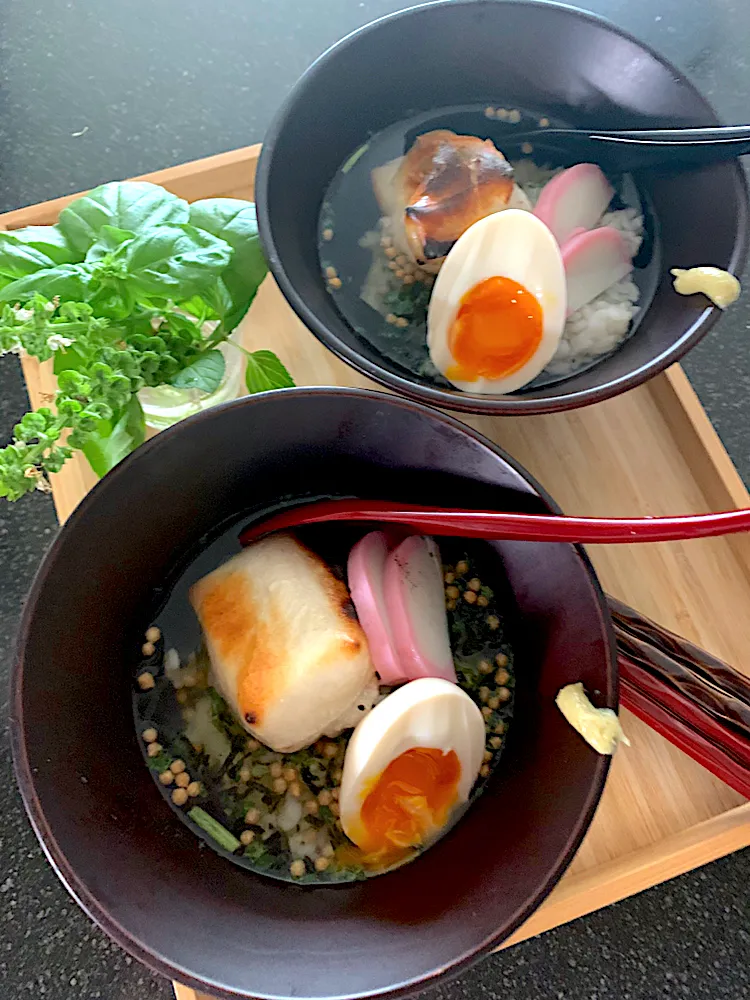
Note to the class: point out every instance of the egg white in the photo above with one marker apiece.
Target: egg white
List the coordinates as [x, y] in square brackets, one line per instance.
[428, 712]
[512, 244]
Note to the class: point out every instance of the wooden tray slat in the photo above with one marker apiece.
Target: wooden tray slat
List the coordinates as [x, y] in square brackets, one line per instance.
[650, 451]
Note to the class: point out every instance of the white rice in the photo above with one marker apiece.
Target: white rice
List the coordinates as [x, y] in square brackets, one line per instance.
[599, 327]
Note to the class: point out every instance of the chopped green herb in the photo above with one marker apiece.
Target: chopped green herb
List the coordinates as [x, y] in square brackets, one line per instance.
[214, 829]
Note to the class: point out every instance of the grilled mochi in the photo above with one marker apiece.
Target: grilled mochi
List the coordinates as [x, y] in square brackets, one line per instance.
[286, 650]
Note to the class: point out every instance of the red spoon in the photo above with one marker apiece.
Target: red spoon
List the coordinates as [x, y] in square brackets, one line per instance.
[494, 524]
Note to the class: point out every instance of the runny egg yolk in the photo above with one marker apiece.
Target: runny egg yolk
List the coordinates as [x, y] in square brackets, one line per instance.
[497, 329]
[409, 800]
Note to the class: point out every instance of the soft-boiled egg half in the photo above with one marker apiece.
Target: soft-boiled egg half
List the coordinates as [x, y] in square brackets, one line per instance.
[497, 309]
[410, 764]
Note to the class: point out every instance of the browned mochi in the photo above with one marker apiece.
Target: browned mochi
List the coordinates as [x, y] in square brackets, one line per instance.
[285, 651]
[443, 185]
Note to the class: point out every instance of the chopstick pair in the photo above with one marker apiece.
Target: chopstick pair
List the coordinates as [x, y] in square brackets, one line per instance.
[693, 699]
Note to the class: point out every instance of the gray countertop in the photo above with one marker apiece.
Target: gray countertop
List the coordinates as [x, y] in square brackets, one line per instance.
[95, 91]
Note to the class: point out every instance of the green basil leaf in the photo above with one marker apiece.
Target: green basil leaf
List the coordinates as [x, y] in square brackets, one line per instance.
[17, 259]
[264, 371]
[69, 281]
[50, 241]
[133, 205]
[198, 307]
[69, 359]
[116, 438]
[110, 238]
[235, 222]
[174, 261]
[205, 373]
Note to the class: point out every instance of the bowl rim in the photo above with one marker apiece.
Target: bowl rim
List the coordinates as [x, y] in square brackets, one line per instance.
[89, 901]
[455, 400]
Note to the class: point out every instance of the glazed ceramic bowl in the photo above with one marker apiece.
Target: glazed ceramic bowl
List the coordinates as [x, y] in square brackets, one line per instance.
[135, 867]
[561, 62]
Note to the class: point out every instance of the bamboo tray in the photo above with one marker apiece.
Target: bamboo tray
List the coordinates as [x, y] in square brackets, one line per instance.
[649, 451]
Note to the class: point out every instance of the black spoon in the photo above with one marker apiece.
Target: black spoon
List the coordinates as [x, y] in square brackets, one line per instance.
[639, 148]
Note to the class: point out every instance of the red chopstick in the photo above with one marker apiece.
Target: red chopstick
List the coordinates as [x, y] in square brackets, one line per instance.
[662, 716]
[494, 524]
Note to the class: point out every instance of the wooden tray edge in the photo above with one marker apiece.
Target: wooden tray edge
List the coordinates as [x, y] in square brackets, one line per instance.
[183, 180]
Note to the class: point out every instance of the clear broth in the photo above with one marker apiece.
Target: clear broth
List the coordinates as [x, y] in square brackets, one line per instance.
[350, 213]
[472, 640]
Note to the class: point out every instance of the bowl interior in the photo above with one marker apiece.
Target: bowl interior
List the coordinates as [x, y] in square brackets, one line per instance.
[558, 61]
[133, 865]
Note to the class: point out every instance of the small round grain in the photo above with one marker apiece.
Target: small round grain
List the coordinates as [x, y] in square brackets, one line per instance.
[503, 694]
[247, 837]
[252, 816]
[462, 567]
[153, 634]
[297, 868]
[146, 681]
[321, 864]
[402, 322]
[182, 780]
[335, 283]
[194, 789]
[501, 660]
[485, 667]
[179, 796]
[276, 769]
[328, 235]
[470, 597]
[279, 786]
[166, 777]
[149, 735]
[502, 676]
[493, 621]
[148, 649]
[154, 749]
[177, 766]
[331, 272]
[452, 592]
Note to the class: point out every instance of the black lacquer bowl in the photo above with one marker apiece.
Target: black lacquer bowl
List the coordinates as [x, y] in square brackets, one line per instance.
[564, 63]
[135, 867]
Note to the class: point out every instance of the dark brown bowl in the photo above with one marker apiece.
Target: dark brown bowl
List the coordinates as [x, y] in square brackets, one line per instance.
[133, 865]
[563, 62]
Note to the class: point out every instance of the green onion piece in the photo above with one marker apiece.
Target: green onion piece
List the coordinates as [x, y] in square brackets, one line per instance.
[215, 830]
